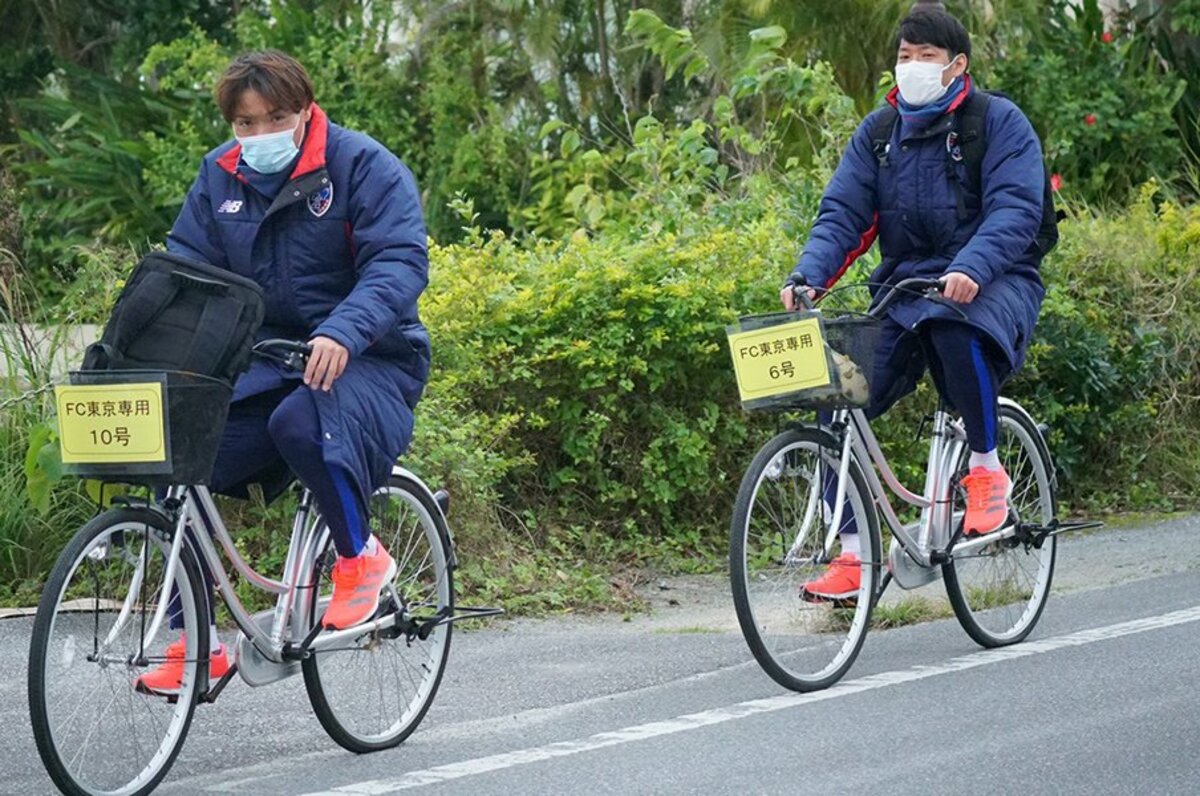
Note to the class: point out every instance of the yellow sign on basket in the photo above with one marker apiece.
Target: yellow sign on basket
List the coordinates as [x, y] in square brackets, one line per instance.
[779, 359]
[111, 423]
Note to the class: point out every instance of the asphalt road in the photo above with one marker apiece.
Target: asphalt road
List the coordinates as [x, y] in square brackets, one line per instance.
[1101, 699]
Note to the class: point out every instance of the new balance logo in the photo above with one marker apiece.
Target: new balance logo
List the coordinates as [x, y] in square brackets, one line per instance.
[230, 206]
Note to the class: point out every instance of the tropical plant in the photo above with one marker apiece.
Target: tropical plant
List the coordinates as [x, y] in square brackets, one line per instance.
[1104, 107]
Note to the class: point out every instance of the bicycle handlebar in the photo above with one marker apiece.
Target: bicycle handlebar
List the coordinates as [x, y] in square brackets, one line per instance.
[914, 285]
[917, 285]
[296, 356]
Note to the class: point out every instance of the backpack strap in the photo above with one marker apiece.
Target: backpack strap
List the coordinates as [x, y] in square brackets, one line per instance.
[881, 133]
[970, 144]
[213, 335]
[972, 136]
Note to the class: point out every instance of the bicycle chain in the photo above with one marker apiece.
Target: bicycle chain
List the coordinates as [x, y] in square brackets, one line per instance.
[26, 396]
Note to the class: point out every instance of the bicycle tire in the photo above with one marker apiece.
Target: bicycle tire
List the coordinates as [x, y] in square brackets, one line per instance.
[325, 685]
[760, 610]
[87, 544]
[981, 609]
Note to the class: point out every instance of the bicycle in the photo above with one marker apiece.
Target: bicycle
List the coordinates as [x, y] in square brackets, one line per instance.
[99, 623]
[810, 482]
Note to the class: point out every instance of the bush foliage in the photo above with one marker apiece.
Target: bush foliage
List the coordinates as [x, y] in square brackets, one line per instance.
[584, 267]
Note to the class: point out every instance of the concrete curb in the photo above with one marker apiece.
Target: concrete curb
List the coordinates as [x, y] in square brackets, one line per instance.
[62, 346]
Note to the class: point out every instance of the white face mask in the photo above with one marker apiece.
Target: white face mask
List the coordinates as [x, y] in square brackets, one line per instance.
[270, 153]
[920, 82]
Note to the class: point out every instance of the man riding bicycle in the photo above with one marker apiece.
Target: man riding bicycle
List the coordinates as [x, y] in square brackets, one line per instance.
[328, 222]
[907, 178]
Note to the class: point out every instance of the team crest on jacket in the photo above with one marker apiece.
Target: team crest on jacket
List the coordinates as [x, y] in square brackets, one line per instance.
[319, 202]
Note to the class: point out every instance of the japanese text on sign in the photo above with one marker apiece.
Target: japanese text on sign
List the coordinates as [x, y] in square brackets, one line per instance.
[779, 359]
[111, 423]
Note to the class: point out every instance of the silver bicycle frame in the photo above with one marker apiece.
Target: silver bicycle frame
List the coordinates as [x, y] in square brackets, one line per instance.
[291, 618]
[934, 529]
[200, 523]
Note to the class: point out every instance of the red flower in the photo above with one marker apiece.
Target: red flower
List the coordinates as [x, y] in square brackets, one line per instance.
[1106, 37]
[1090, 119]
[1056, 182]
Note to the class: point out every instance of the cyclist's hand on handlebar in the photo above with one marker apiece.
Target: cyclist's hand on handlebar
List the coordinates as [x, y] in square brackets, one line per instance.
[326, 363]
[959, 287]
[788, 296]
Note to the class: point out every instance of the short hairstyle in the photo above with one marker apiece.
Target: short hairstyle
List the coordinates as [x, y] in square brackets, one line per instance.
[932, 26]
[277, 76]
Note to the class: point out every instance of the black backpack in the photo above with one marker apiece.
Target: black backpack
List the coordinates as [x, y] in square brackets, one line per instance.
[972, 143]
[175, 313]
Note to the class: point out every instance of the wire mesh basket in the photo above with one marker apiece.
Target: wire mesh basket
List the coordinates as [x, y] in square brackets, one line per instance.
[152, 427]
[804, 360]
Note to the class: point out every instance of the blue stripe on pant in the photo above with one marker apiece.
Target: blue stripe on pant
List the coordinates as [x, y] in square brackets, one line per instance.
[277, 433]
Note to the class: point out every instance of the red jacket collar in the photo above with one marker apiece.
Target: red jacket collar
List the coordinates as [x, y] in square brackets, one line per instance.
[958, 101]
[312, 151]
[893, 96]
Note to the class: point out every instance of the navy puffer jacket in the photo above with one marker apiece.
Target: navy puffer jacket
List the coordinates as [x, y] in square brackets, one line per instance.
[911, 205]
[339, 252]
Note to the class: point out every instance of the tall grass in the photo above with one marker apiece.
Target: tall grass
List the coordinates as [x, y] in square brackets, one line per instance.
[30, 540]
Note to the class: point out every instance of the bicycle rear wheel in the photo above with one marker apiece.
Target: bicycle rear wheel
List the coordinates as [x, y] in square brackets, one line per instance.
[778, 542]
[372, 692]
[999, 592]
[95, 732]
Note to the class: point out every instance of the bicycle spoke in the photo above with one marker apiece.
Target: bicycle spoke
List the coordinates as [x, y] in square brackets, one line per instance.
[93, 730]
[801, 643]
[998, 594]
[372, 696]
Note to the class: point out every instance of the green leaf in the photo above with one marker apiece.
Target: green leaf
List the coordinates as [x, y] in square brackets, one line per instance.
[570, 142]
[37, 482]
[49, 459]
[552, 126]
[772, 37]
[71, 122]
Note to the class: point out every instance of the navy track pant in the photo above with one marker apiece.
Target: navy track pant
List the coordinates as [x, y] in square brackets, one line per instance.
[276, 431]
[965, 366]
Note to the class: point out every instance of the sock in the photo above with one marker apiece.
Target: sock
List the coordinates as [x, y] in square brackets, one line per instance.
[371, 547]
[214, 643]
[988, 461]
[850, 544]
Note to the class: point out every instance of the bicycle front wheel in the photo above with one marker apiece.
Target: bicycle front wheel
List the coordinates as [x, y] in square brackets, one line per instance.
[96, 732]
[372, 692]
[780, 539]
[999, 592]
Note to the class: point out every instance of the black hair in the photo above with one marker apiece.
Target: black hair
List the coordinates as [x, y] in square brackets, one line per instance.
[927, 25]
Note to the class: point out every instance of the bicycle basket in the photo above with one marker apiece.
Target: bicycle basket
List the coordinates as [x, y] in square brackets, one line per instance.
[804, 360]
[152, 427]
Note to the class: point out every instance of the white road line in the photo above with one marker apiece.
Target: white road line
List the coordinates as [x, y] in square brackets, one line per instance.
[707, 718]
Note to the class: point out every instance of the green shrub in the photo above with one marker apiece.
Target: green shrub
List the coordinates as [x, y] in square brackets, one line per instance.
[606, 359]
[583, 412]
[1113, 368]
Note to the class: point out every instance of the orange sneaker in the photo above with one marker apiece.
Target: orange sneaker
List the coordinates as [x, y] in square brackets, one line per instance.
[356, 585]
[840, 583]
[167, 678]
[988, 492]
